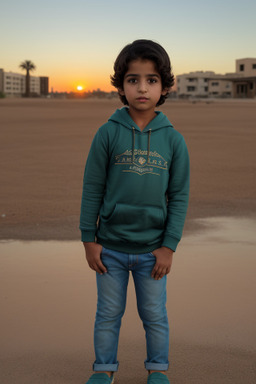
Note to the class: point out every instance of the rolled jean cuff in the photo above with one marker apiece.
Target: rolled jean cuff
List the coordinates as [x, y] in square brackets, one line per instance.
[156, 366]
[105, 367]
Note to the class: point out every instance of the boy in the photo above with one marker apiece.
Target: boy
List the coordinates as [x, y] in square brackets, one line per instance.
[134, 203]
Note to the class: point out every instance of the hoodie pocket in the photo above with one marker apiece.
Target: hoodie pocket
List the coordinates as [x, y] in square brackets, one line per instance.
[139, 224]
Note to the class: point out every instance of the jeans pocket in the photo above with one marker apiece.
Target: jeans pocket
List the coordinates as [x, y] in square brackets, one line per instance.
[103, 250]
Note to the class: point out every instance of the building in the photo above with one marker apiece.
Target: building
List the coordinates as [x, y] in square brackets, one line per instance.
[246, 67]
[193, 84]
[244, 85]
[1, 80]
[44, 86]
[239, 84]
[14, 84]
[219, 86]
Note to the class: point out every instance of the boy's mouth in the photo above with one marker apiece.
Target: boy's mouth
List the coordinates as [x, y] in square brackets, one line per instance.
[142, 99]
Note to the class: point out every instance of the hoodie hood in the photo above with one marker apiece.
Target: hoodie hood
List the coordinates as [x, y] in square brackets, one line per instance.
[122, 117]
[160, 121]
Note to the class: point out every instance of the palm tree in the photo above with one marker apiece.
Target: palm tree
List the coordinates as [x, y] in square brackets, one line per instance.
[28, 66]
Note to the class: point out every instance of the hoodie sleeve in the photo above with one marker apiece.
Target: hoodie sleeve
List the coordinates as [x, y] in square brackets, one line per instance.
[178, 194]
[93, 187]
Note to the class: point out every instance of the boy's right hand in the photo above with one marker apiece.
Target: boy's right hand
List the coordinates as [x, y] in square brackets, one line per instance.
[93, 257]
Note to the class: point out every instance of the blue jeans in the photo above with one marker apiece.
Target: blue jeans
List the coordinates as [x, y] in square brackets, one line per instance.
[151, 300]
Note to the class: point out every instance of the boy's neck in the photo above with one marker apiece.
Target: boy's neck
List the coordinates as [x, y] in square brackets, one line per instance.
[142, 118]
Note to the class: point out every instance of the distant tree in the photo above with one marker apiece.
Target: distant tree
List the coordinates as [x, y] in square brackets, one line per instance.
[28, 66]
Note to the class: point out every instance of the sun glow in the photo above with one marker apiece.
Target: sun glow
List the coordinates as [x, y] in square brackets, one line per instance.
[79, 87]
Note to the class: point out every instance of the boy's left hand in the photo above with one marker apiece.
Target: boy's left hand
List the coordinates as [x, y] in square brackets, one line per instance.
[163, 263]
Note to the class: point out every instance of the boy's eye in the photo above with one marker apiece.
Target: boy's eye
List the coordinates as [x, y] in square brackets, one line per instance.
[132, 81]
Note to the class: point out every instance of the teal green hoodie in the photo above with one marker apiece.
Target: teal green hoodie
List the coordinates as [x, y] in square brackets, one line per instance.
[136, 185]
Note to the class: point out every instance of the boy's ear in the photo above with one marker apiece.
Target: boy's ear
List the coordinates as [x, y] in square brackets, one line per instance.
[164, 91]
[120, 91]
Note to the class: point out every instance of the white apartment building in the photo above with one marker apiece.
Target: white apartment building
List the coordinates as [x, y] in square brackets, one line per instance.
[241, 83]
[14, 84]
[220, 87]
[193, 84]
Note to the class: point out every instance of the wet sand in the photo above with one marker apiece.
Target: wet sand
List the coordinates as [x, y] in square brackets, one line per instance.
[48, 293]
[48, 302]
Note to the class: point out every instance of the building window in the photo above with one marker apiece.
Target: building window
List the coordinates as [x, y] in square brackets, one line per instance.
[191, 80]
[254, 66]
[241, 67]
[205, 80]
[251, 86]
[206, 89]
[191, 89]
[241, 89]
[215, 83]
[178, 80]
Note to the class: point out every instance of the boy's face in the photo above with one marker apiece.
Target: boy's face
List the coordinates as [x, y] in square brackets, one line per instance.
[142, 85]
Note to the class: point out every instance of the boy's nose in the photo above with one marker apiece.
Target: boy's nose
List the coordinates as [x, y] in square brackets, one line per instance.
[142, 87]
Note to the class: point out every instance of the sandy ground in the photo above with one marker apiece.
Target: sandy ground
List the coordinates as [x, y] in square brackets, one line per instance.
[48, 302]
[47, 293]
[44, 145]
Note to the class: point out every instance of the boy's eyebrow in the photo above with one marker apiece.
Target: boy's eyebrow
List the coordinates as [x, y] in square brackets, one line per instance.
[136, 75]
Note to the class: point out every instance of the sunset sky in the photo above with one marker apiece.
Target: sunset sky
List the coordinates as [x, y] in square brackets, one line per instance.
[75, 42]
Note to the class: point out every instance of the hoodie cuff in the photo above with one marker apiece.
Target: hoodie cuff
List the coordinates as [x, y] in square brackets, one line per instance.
[88, 236]
[170, 242]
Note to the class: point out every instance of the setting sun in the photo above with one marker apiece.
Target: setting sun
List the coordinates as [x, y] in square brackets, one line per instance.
[79, 88]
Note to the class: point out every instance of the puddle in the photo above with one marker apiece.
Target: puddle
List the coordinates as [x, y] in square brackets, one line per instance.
[48, 295]
[213, 285]
[226, 230]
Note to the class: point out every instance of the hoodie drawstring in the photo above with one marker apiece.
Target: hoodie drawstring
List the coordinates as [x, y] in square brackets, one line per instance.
[133, 144]
[149, 135]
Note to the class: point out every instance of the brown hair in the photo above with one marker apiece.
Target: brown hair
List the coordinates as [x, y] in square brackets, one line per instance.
[145, 50]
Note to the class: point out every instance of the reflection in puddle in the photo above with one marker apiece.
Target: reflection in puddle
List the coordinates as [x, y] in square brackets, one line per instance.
[215, 230]
[48, 293]
[227, 230]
